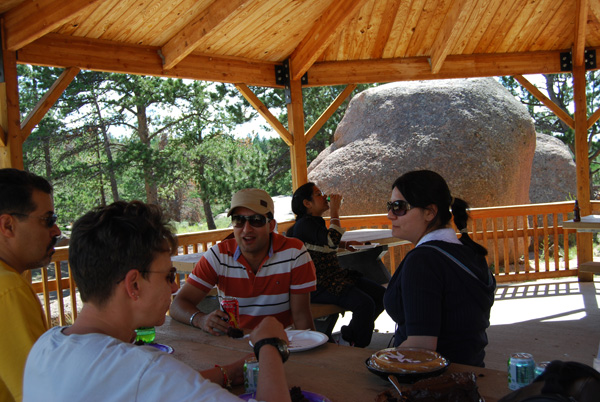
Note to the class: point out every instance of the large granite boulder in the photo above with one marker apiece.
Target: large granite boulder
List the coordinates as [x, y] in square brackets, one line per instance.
[471, 131]
[554, 175]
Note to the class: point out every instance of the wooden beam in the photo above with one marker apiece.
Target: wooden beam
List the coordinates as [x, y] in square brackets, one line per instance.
[418, 68]
[31, 20]
[296, 125]
[582, 163]
[449, 32]
[593, 118]
[182, 44]
[324, 30]
[329, 112]
[3, 140]
[264, 112]
[102, 55]
[560, 113]
[13, 115]
[47, 101]
[581, 12]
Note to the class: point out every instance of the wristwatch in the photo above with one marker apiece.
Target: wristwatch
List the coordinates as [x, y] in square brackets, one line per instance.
[278, 343]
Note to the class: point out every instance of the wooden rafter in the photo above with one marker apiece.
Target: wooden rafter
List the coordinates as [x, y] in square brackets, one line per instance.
[560, 113]
[329, 112]
[182, 44]
[33, 19]
[264, 112]
[593, 118]
[581, 12]
[101, 55]
[324, 31]
[47, 101]
[418, 68]
[447, 35]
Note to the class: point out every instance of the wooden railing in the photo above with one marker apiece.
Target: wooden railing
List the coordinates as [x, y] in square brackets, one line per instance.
[525, 242]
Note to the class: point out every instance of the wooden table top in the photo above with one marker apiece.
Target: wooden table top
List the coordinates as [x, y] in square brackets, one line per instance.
[337, 372]
[589, 223]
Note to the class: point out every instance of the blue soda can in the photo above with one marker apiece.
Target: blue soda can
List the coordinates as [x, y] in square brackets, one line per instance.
[145, 334]
[521, 370]
[250, 375]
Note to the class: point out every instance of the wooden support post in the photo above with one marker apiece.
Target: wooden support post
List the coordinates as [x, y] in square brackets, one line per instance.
[11, 148]
[296, 128]
[584, 240]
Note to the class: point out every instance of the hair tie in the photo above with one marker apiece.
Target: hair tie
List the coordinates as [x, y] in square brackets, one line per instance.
[464, 231]
[452, 199]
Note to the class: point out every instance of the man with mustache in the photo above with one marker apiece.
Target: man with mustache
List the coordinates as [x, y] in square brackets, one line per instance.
[28, 233]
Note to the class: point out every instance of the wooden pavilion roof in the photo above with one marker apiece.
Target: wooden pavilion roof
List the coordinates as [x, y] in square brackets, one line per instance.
[332, 41]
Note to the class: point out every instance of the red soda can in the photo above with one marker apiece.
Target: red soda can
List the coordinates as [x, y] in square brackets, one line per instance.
[231, 306]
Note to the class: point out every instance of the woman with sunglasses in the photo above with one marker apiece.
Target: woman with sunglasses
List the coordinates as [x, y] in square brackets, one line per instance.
[335, 285]
[441, 294]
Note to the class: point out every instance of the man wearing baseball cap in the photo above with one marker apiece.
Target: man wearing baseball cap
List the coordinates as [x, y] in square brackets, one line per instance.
[267, 273]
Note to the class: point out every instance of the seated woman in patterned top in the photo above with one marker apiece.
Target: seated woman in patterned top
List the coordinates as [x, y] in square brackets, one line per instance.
[335, 285]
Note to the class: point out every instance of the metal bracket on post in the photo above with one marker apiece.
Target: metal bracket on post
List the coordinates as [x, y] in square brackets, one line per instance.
[282, 77]
[566, 60]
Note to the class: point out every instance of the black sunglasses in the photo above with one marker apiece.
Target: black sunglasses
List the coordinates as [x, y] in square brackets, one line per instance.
[170, 276]
[257, 221]
[49, 220]
[399, 207]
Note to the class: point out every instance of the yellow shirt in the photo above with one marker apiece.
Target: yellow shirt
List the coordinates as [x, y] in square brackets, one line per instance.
[22, 322]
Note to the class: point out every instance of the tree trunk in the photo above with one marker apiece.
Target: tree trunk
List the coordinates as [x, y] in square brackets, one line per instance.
[210, 222]
[106, 142]
[143, 132]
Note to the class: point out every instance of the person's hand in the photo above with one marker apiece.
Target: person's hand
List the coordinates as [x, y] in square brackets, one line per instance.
[235, 370]
[335, 202]
[269, 327]
[215, 323]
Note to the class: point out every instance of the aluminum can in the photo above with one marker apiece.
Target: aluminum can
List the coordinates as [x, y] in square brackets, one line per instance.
[231, 306]
[521, 370]
[540, 367]
[145, 334]
[250, 374]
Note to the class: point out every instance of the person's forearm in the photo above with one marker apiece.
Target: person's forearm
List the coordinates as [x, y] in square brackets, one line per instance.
[272, 384]
[182, 311]
[304, 321]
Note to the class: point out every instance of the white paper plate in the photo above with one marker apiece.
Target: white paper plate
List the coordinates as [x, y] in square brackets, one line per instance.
[301, 340]
[364, 246]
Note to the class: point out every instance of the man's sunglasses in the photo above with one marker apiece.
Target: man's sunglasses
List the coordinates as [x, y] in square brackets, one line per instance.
[257, 221]
[49, 220]
[399, 207]
[171, 275]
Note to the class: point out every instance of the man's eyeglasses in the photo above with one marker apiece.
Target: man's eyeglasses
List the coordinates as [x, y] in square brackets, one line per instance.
[257, 221]
[49, 220]
[170, 276]
[399, 207]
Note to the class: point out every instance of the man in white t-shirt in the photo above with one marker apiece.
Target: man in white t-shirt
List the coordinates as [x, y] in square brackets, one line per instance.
[120, 259]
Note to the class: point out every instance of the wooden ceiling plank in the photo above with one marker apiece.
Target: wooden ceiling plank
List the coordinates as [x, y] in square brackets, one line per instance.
[426, 25]
[47, 101]
[100, 55]
[418, 68]
[321, 35]
[33, 19]
[541, 18]
[397, 30]
[487, 11]
[471, 31]
[560, 113]
[581, 12]
[508, 27]
[416, 8]
[504, 7]
[555, 23]
[387, 18]
[182, 44]
[514, 35]
[449, 33]
[265, 113]
[331, 109]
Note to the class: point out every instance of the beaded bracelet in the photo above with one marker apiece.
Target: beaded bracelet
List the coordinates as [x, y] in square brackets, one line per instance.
[226, 379]
[192, 318]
